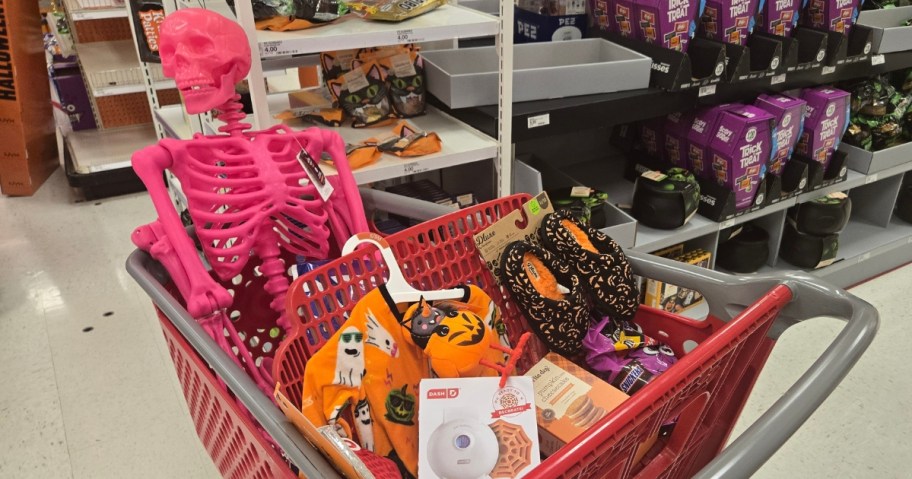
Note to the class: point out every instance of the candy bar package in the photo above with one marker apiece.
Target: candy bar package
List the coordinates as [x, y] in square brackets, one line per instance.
[789, 114]
[832, 15]
[744, 139]
[393, 10]
[677, 127]
[669, 23]
[699, 137]
[148, 16]
[826, 119]
[284, 15]
[614, 350]
[729, 21]
[405, 72]
[779, 17]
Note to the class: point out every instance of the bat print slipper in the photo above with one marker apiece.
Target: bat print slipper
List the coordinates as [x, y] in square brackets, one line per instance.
[598, 261]
[548, 293]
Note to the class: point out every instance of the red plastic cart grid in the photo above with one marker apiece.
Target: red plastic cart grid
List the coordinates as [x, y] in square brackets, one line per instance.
[705, 390]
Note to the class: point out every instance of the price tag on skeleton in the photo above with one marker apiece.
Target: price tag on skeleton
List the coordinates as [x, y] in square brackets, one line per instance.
[402, 65]
[777, 79]
[355, 80]
[827, 70]
[317, 178]
[707, 90]
[878, 60]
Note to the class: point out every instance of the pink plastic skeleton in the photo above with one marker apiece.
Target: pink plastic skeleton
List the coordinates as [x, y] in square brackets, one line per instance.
[247, 193]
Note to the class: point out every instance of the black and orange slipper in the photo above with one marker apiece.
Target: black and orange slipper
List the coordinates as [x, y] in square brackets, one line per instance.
[548, 293]
[597, 259]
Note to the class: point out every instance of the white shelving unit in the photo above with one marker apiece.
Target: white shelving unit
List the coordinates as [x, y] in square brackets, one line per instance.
[106, 150]
[280, 50]
[95, 9]
[113, 68]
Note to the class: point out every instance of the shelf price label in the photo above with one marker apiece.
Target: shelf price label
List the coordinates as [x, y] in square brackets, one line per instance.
[407, 36]
[878, 59]
[871, 179]
[538, 120]
[414, 168]
[275, 49]
[864, 257]
[728, 223]
[777, 79]
[707, 90]
[827, 70]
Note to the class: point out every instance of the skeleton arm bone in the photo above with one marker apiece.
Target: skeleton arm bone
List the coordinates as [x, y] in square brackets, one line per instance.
[204, 296]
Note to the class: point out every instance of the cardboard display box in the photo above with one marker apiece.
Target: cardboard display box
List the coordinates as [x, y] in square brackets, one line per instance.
[28, 144]
[672, 298]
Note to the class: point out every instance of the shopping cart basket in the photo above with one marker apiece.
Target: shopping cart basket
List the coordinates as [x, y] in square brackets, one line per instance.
[704, 392]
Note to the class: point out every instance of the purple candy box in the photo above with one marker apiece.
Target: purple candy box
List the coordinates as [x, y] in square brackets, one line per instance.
[832, 15]
[677, 126]
[652, 136]
[826, 120]
[729, 21]
[789, 115]
[778, 17]
[740, 150]
[700, 135]
[623, 17]
[669, 23]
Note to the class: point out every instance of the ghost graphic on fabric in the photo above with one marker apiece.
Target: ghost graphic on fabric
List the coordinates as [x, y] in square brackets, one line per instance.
[350, 357]
[363, 425]
[379, 337]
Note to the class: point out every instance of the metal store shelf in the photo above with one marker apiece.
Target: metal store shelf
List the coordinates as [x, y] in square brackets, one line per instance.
[461, 144]
[95, 9]
[444, 23]
[96, 151]
[113, 68]
[865, 250]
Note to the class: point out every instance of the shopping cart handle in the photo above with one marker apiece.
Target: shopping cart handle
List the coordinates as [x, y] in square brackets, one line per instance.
[811, 298]
[301, 453]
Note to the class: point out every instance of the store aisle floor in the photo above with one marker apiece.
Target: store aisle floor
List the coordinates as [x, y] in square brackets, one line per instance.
[87, 389]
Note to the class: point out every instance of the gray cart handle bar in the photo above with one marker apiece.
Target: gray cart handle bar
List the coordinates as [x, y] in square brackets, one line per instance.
[726, 295]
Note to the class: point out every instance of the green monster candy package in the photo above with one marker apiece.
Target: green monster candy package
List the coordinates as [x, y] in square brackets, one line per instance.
[584, 203]
[880, 115]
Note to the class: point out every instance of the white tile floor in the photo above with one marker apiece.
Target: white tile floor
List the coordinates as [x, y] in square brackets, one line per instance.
[106, 403]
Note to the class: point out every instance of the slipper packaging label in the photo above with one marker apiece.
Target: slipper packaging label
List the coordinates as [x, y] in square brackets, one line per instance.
[520, 224]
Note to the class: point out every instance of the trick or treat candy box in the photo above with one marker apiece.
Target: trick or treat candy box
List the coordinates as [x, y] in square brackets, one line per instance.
[744, 139]
[832, 15]
[701, 132]
[778, 17]
[677, 126]
[789, 114]
[669, 23]
[826, 119]
[729, 21]
[652, 136]
[623, 17]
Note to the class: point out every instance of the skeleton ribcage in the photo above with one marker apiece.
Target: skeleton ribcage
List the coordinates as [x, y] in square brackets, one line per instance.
[238, 189]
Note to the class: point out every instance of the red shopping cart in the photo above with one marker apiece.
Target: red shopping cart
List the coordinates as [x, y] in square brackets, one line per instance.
[721, 357]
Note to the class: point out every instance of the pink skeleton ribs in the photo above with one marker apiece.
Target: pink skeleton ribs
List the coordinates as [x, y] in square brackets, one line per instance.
[247, 191]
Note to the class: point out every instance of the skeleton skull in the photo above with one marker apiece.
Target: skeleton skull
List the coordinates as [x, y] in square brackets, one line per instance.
[206, 54]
